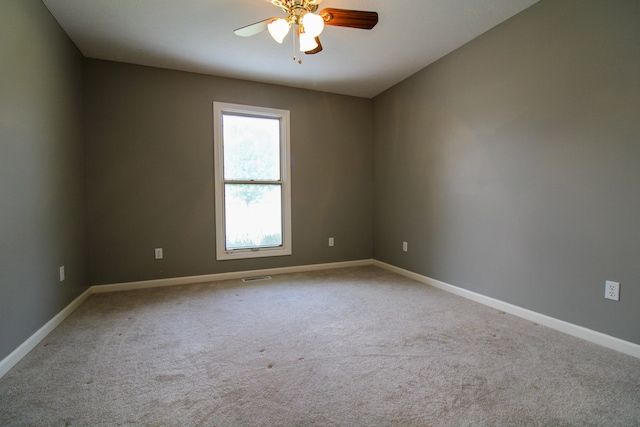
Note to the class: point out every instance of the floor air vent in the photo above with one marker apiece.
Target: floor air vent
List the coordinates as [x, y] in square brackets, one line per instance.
[256, 278]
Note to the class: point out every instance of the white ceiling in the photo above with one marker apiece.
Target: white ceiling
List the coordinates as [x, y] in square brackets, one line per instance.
[197, 36]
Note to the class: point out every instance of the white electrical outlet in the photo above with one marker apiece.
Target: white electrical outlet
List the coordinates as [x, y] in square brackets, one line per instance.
[158, 253]
[612, 290]
[405, 247]
[330, 241]
[61, 273]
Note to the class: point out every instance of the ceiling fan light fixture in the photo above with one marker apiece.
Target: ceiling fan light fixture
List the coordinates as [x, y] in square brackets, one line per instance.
[279, 28]
[313, 24]
[307, 42]
[308, 24]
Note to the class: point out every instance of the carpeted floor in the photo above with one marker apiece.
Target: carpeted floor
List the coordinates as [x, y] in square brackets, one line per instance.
[348, 347]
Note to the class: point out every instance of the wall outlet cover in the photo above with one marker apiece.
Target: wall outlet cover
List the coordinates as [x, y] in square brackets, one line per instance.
[612, 290]
[158, 253]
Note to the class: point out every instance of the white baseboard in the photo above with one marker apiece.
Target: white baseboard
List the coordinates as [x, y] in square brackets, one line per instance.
[599, 338]
[225, 276]
[10, 361]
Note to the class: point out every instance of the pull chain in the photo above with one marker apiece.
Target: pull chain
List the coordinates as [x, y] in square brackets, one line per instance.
[293, 36]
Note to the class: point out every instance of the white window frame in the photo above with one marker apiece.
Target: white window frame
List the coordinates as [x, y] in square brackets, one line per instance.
[220, 109]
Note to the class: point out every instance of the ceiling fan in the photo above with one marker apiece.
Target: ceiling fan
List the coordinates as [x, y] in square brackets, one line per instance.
[309, 24]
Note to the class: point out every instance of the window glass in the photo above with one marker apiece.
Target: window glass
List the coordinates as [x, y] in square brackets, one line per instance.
[253, 215]
[251, 148]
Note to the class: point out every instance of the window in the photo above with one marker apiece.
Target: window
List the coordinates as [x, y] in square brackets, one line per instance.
[252, 181]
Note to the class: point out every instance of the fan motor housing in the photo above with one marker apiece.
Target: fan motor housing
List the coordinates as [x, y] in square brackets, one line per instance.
[296, 8]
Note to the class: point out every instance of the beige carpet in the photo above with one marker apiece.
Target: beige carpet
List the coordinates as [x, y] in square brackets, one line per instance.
[347, 347]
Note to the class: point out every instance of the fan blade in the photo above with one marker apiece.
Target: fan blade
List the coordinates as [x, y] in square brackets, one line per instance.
[252, 29]
[317, 49]
[350, 18]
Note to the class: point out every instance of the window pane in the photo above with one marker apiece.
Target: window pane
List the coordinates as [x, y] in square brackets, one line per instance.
[252, 215]
[251, 148]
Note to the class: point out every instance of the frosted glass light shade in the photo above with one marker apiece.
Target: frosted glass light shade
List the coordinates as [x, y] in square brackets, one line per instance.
[278, 28]
[307, 42]
[313, 24]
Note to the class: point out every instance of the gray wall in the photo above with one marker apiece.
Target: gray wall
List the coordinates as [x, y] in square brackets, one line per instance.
[42, 175]
[512, 165]
[150, 161]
